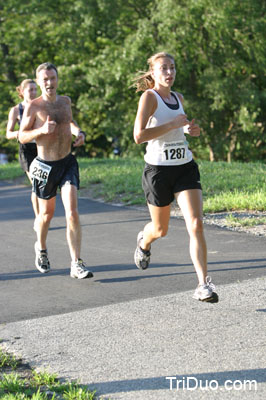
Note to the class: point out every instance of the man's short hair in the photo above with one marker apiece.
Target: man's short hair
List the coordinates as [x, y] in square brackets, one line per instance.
[46, 66]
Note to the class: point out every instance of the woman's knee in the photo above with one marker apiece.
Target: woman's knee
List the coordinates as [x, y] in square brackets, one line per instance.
[195, 225]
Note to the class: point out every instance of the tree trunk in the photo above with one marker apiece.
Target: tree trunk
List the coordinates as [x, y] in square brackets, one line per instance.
[232, 147]
[231, 142]
[211, 154]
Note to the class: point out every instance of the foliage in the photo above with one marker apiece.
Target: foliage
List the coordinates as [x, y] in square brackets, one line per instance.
[98, 46]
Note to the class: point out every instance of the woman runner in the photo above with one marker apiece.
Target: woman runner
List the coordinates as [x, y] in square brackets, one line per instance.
[27, 91]
[170, 171]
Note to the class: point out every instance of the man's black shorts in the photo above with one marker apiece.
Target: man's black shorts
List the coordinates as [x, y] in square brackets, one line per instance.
[160, 183]
[63, 171]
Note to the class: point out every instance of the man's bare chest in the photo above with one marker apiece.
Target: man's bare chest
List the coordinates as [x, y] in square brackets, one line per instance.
[58, 112]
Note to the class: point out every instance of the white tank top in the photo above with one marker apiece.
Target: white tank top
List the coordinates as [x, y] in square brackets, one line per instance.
[172, 147]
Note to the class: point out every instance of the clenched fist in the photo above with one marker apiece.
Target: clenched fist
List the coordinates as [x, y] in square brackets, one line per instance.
[48, 126]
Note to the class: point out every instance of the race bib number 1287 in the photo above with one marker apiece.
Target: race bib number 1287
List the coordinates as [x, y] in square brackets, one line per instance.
[176, 152]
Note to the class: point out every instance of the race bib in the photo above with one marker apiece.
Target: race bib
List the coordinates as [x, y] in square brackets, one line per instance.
[40, 171]
[175, 151]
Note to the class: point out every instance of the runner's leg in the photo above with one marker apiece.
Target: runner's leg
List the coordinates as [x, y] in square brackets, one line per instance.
[70, 202]
[34, 199]
[46, 212]
[158, 226]
[190, 202]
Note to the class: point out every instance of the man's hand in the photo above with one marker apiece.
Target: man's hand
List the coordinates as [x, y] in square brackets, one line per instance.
[80, 140]
[49, 126]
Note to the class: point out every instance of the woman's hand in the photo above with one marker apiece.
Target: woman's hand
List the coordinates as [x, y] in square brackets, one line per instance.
[180, 121]
[193, 129]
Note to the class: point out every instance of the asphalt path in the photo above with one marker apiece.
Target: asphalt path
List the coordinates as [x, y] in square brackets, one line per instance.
[130, 334]
[108, 243]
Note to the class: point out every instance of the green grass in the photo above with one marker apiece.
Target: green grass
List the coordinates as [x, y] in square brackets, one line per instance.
[249, 222]
[226, 186]
[233, 186]
[37, 385]
[113, 180]
[7, 360]
[10, 171]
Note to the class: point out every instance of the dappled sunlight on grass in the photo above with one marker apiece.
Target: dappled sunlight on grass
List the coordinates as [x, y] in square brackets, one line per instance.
[226, 186]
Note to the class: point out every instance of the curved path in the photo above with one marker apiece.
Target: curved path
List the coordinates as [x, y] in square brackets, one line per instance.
[125, 331]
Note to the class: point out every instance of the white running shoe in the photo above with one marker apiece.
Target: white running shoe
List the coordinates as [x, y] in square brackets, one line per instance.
[141, 258]
[41, 260]
[78, 270]
[206, 292]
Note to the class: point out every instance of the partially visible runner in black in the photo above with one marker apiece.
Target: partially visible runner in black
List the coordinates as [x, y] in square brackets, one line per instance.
[27, 91]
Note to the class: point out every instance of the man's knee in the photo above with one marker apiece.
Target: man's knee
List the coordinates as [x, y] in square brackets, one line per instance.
[160, 231]
[46, 216]
[72, 216]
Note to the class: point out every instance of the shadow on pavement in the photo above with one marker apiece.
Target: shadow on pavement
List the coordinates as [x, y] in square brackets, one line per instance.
[186, 382]
[32, 273]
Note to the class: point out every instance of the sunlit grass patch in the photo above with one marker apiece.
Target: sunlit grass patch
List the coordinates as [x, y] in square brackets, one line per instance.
[37, 385]
[247, 221]
[10, 170]
[226, 186]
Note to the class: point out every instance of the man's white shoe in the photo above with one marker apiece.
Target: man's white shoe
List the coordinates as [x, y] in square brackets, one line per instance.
[79, 271]
[41, 260]
[206, 292]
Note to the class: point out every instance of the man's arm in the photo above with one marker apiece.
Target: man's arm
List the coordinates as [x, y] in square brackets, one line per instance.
[76, 131]
[27, 133]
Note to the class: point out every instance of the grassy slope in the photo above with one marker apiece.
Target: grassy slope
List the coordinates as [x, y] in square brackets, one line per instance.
[235, 186]
[226, 187]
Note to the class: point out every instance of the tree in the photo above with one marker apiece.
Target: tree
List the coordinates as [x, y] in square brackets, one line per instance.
[99, 45]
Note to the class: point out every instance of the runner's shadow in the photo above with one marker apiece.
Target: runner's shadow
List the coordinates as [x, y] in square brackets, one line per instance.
[34, 273]
[224, 379]
[191, 272]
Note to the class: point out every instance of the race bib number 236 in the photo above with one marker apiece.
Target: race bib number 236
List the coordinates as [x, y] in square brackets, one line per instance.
[40, 171]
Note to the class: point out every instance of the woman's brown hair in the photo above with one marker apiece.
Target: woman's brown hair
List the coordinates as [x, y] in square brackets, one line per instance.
[22, 86]
[144, 80]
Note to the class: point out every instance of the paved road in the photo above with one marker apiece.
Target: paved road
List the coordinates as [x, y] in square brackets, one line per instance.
[124, 331]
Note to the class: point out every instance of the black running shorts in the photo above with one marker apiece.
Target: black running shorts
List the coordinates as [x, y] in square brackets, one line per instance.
[63, 171]
[160, 183]
[27, 153]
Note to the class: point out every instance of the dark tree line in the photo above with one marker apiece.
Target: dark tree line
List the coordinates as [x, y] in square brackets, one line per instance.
[98, 46]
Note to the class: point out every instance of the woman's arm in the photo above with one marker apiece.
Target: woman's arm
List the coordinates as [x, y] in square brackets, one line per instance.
[146, 108]
[12, 120]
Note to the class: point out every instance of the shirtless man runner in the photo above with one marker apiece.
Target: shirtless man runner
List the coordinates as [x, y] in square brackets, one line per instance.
[47, 120]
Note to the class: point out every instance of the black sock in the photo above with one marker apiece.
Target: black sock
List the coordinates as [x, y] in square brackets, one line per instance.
[147, 252]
